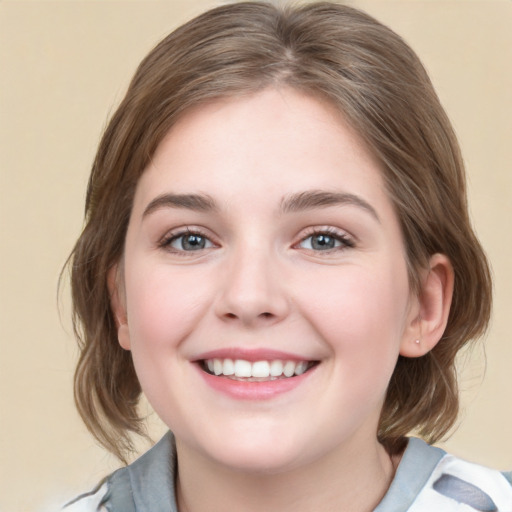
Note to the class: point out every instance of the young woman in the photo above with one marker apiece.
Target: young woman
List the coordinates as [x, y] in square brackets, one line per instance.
[278, 253]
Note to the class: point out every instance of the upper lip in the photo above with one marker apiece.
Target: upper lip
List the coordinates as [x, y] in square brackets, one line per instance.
[261, 354]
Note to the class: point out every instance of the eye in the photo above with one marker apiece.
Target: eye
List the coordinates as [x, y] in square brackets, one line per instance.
[187, 242]
[325, 241]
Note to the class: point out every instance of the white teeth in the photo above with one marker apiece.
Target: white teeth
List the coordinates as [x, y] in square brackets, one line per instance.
[217, 366]
[289, 368]
[301, 368]
[259, 369]
[243, 368]
[276, 368]
[228, 367]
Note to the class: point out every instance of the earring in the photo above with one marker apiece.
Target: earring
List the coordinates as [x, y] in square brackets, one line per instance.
[417, 342]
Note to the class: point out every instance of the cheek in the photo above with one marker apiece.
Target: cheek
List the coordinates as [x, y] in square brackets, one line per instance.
[361, 310]
[163, 307]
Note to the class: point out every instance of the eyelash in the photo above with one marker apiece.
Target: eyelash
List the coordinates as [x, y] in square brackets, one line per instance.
[168, 239]
[344, 241]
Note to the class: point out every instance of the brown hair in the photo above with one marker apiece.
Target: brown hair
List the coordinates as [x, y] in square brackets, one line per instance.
[377, 82]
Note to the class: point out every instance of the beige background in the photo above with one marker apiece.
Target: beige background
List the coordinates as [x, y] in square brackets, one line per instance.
[63, 67]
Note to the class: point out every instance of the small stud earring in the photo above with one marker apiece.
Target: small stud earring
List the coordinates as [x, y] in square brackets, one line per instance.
[417, 342]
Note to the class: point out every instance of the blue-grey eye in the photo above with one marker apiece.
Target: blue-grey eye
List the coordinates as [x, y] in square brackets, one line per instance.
[190, 242]
[322, 242]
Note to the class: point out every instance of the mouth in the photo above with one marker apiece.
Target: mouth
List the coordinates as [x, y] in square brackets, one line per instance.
[255, 371]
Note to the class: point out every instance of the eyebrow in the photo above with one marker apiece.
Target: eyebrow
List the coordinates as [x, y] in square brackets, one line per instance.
[196, 202]
[308, 200]
[313, 199]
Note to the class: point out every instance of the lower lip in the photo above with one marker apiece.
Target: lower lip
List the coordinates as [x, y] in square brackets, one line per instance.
[245, 390]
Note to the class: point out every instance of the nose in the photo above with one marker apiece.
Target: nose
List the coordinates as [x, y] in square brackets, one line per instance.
[252, 291]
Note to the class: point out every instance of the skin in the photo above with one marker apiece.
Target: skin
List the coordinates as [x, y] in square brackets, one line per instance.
[261, 281]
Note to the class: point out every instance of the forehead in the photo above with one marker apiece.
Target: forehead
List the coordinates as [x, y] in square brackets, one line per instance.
[278, 141]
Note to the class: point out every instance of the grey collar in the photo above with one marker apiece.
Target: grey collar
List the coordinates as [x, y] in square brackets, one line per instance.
[147, 485]
[418, 462]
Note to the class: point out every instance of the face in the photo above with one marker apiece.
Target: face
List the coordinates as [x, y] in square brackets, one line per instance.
[265, 294]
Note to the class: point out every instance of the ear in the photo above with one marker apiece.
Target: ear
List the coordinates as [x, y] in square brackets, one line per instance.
[118, 305]
[430, 309]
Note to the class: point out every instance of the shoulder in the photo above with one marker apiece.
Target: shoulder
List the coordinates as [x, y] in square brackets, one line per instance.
[89, 502]
[146, 484]
[459, 481]
[432, 479]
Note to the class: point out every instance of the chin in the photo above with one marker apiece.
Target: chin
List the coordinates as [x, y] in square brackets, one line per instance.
[260, 463]
[258, 454]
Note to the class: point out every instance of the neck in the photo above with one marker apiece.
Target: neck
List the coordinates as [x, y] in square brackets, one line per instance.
[345, 479]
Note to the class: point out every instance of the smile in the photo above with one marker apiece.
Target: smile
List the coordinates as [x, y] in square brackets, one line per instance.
[241, 369]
